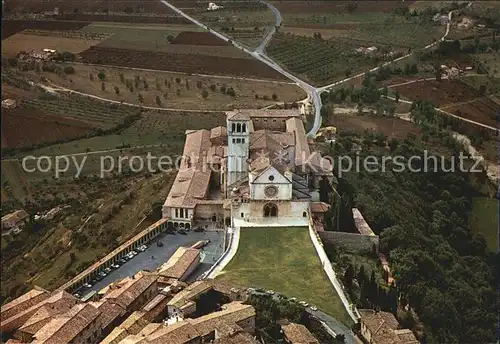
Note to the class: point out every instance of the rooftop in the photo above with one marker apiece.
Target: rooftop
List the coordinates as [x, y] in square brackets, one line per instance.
[383, 327]
[24, 301]
[130, 289]
[179, 263]
[189, 293]
[64, 328]
[15, 216]
[298, 334]
[246, 114]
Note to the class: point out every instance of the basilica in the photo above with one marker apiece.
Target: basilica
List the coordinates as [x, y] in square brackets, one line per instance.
[258, 170]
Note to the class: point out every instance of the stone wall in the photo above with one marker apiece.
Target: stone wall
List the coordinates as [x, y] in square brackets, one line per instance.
[352, 242]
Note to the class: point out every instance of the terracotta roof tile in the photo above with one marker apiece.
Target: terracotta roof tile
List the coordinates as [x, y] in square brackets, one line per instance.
[189, 293]
[24, 301]
[298, 334]
[179, 263]
[64, 328]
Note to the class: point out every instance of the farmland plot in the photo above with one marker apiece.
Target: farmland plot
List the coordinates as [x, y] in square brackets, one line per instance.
[26, 126]
[321, 62]
[11, 27]
[27, 42]
[177, 91]
[78, 107]
[186, 63]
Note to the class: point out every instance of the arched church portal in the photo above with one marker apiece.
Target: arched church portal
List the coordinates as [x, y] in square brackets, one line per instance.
[270, 210]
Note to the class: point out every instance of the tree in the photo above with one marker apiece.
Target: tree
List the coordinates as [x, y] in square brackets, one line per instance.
[361, 275]
[103, 86]
[204, 94]
[223, 89]
[140, 97]
[348, 276]
[213, 87]
[275, 96]
[145, 83]
[231, 92]
[69, 70]
[396, 96]
[199, 84]
[91, 76]
[385, 91]
[122, 78]
[178, 80]
[158, 100]
[101, 75]
[117, 90]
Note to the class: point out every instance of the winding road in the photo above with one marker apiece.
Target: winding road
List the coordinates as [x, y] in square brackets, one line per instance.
[259, 54]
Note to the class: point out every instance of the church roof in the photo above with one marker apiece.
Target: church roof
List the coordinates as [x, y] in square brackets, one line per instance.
[247, 114]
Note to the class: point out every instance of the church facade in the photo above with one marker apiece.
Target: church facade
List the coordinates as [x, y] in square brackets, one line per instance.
[258, 170]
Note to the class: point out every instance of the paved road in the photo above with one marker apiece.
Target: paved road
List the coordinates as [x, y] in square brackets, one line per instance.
[334, 325]
[271, 32]
[144, 260]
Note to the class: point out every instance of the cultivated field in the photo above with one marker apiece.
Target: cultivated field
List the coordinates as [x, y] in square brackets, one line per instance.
[454, 97]
[176, 39]
[26, 127]
[177, 91]
[185, 63]
[299, 6]
[11, 27]
[284, 260]
[93, 6]
[391, 127]
[320, 62]
[27, 42]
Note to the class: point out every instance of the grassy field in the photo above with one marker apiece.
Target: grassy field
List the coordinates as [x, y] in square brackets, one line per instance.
[484, 220]
[175, 90]
[284, 260]
[492, 61]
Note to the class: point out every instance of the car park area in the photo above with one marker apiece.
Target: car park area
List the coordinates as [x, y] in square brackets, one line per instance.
[158, 251]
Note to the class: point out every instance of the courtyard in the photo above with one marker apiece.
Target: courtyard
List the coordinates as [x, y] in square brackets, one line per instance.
[284, 259]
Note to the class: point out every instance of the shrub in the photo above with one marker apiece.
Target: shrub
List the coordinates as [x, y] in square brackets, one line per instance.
[204, 94]
[223, 89]
[69, 70]
[178, 80]
[231, 92]
[101, 75]
[117, 90]
[212, 87]
[275, 96]
[158, 100]
[199, 84]
[140, 97]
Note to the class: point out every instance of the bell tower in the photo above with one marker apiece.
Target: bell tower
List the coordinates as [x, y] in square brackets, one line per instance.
[238, 131]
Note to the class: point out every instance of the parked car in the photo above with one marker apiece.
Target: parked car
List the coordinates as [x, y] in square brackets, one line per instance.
[314, 308]
[134, 253]
[293, 299]
[107, 270]
[303, 303]
[78, 296]
[102, 274]
[143, 248]
[270, 292]
[115, 265]
[87, 285]
[122, 260]
[182, 231]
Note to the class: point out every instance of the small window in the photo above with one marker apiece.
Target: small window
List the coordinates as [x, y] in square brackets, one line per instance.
[242, 140]
[238, 140]
[176, 212]
[233, 127]
[242, 215]
[234, 140]
[238, 128]
[304, 214]
[271, 178]
[244, 128]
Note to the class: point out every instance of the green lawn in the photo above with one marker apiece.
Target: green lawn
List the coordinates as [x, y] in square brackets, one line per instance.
[484, 220]
[284, 260]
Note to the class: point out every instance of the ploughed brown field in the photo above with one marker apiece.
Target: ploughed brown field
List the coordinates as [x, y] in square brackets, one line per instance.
[23, 127]
[185, 63]
[439, 93]
[198, 38]
[455, 97]
[11, 27]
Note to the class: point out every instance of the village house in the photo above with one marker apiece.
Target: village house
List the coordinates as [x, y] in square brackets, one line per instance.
[182, 263]
[383, 328]
[297, 334]
[14, 221]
